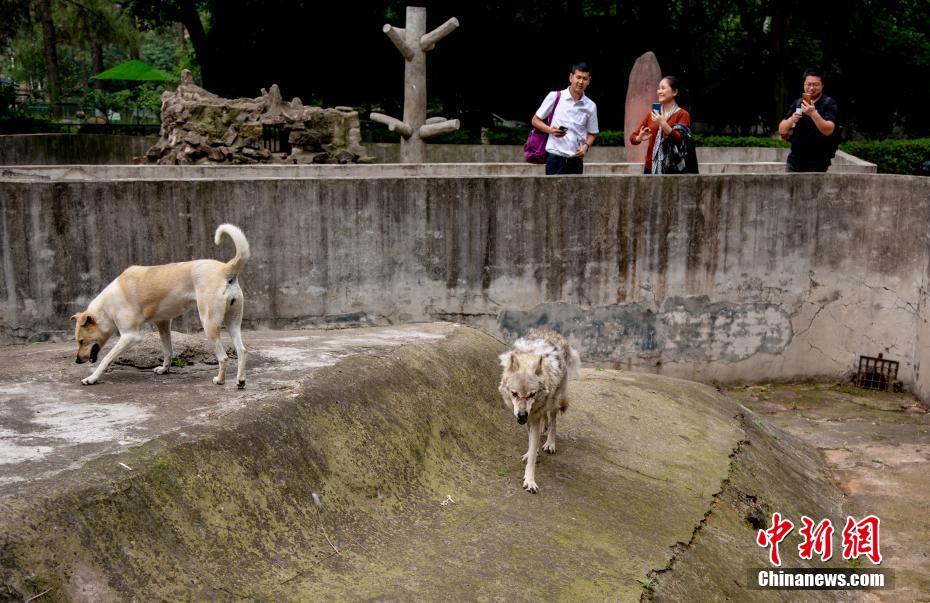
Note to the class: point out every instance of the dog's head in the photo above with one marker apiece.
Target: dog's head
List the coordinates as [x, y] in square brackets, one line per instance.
[522, 384]
[89, 336]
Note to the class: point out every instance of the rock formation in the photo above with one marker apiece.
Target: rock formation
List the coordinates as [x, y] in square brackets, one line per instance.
[640, 94]
[198, 126]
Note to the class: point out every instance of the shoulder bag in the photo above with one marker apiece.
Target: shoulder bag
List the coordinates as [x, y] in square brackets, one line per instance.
[534, 149]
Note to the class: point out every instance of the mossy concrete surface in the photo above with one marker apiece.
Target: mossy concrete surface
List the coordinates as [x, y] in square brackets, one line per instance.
[772, 471]
[394, 475]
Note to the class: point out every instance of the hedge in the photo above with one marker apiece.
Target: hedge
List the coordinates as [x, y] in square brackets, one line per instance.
[738, 141]
[614, 138]
[893, 156]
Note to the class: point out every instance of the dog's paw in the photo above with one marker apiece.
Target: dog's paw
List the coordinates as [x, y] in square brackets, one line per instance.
[530, 485]
[161, 370]
[550, 448]
[218, 381]
[89, 380]
[240, 384]
[525, 457]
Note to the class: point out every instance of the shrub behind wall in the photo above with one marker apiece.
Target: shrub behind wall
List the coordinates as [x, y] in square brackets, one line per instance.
[892, 156]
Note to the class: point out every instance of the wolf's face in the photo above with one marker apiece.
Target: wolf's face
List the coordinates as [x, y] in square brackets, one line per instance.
[89, 337]
[522, 383]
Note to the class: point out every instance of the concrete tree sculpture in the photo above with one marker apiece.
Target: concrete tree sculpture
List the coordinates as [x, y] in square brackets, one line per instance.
[413, 43]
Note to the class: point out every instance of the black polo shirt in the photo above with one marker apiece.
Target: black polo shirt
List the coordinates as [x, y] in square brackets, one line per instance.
[807, 143]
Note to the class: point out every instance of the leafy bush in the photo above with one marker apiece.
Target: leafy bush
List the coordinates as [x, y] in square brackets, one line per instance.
[738, 141]
[892, 156]
[610, 138]
[147, 100]
[15, 119]
[102, 101]
[507, 135]
[457, 137]
[374, 132]
[615, 138]
[7, 101]
[141, 103]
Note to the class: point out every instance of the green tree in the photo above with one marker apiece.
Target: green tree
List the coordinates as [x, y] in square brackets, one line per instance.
[43, 13]
[15, 17]
[91, 26]
[192, 14]
[739, 60]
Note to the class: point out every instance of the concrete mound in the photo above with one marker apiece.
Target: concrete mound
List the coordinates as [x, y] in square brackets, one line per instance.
[393, 472]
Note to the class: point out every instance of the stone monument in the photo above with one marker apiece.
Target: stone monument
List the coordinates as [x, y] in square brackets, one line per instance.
[198, 126]
[640, 94]
[413, 43]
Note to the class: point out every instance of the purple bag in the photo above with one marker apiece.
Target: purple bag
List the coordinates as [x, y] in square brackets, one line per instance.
[534, 149]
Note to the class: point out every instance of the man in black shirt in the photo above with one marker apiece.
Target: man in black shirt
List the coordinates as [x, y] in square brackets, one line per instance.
[811, 125]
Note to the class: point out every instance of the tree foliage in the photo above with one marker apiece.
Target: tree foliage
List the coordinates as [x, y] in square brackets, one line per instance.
[739, 60]
[15, 18]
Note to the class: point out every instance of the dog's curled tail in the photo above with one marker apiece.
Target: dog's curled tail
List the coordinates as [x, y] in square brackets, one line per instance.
[243, 252]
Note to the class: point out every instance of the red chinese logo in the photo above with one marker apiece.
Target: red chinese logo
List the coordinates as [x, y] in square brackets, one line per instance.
[816, 539]
[774, 535]
[861, 538]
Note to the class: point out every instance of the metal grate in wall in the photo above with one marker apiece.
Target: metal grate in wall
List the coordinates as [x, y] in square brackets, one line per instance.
[877, 373]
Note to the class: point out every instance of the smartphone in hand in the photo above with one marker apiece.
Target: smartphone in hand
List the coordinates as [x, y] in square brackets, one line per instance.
[657, 107]
[806, 98]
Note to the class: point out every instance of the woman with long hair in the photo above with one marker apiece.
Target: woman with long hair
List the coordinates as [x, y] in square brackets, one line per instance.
[659, 124]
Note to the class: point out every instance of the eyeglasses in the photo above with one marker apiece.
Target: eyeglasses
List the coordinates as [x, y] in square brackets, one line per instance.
[813, 85]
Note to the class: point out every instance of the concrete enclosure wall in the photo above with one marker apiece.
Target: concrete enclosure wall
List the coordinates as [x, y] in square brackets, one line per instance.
[72, 149]
[712, 160]
[92, 149]
[722, 278]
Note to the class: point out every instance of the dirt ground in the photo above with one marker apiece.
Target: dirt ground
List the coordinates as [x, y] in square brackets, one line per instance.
[877, 448]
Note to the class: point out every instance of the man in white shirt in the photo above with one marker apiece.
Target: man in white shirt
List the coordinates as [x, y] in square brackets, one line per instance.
[573, 126]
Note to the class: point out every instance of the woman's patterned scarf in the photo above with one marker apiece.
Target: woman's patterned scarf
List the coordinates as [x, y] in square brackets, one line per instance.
[658, 154]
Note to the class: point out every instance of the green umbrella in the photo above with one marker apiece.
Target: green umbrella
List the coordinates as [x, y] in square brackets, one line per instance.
[134, 71]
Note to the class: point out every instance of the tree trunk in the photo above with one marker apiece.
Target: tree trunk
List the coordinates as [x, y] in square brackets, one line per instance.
[781, 19]
[50, 46]
[97, 53]
[191, 20]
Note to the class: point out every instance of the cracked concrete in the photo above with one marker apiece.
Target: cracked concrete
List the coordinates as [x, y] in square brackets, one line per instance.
[681, 548]
[876, 446]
